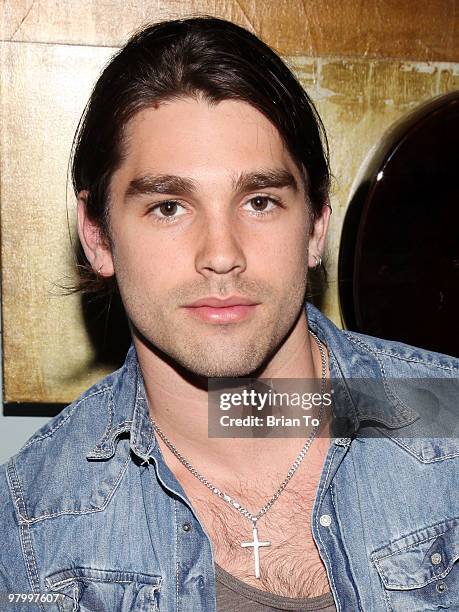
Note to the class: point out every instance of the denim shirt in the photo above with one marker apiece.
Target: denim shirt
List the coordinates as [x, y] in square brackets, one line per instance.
[92, 516]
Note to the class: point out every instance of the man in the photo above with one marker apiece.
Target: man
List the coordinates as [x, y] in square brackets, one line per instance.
[202, 182]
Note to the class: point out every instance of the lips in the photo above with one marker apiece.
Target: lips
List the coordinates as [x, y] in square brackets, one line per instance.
[222, 303]
[219, 311]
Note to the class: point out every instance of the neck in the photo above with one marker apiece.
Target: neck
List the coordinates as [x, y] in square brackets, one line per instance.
[179, 404]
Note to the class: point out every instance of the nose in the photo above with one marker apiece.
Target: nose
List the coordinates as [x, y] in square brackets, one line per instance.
[220, 251]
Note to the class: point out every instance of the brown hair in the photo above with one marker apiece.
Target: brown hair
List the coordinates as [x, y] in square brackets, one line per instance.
[204, 56]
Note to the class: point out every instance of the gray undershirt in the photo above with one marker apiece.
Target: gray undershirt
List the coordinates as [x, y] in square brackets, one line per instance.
[233, 595]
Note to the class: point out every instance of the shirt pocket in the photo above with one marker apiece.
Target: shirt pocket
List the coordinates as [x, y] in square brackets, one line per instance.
[85, 589]
[420, 572]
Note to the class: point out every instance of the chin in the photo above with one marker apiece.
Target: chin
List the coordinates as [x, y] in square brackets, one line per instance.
[224, 371]
[220, 363]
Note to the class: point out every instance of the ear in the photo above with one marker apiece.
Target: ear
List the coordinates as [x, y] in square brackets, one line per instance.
[95, 246]
[318, 235]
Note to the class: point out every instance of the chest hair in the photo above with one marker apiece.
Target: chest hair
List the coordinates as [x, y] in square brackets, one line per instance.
[291, 566]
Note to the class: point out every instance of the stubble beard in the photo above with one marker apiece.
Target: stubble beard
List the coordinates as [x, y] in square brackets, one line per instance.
[230, 350]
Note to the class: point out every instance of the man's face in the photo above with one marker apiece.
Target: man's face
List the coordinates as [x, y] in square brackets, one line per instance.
[209, 204]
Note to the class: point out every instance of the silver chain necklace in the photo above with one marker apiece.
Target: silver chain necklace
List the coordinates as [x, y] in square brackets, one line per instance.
[256, 544]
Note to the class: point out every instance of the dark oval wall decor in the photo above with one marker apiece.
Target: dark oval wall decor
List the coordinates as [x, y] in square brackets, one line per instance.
[398, 265]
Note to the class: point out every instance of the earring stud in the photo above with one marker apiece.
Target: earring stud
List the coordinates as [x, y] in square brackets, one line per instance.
[318, 260]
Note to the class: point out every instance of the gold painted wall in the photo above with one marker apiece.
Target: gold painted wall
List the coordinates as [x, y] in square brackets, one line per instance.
[364, 64]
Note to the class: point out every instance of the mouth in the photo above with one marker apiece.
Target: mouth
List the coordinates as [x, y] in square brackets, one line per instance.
[219, 311]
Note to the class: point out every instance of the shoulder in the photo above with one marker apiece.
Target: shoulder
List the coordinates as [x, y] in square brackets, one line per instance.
[52, 469]
[419, 389]
[360, 355]
[83, 418]
[399, 358]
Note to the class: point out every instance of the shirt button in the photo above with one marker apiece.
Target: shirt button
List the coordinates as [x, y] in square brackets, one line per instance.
[186, 527]
[441, 587]
[325, 520]
[436, 558]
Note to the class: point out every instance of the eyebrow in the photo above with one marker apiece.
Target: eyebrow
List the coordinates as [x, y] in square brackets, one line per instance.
[163, 183]
[278, 177]
[178, 185]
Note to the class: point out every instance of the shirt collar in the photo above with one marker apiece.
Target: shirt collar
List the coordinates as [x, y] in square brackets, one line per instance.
[362, 391]
[129, 412]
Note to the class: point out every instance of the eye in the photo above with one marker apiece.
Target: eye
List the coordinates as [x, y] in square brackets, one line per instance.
[261, 204]
[169, 209]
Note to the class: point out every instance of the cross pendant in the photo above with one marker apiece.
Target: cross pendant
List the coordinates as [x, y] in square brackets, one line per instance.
[256, 544]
